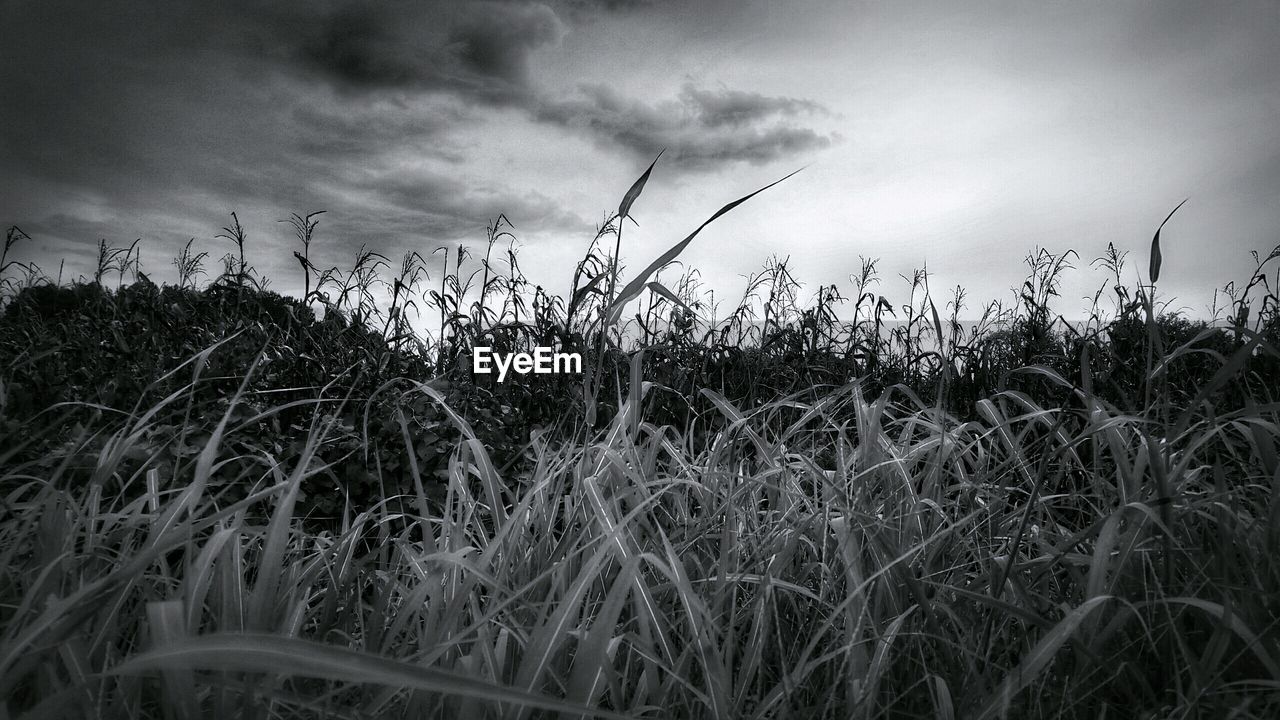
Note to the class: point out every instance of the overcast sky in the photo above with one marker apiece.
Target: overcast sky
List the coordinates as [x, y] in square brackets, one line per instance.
[957, 138]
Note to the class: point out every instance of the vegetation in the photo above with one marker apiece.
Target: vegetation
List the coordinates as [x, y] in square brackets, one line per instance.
[220, 501]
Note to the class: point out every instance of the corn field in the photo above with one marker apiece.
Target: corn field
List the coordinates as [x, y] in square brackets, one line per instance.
[219, 501]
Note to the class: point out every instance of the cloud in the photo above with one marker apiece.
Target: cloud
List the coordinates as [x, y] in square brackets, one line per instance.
[157, 120]
[736, 108]
[700, 129]
[446, 208]
[354, 131]
[479, 50]
[496, 41]
[96, 91]
[362, 46]
[607, 5]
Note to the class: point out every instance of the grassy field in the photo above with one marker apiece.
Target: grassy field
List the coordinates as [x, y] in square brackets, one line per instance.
[217, 505]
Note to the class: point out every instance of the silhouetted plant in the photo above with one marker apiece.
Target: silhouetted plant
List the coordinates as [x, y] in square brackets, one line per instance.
[304, 227]
[235, 267]
[190, 265]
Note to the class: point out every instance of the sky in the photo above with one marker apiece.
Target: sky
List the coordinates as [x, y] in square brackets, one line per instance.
[956, 137]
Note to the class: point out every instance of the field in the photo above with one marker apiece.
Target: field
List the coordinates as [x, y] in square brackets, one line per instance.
[217, 504]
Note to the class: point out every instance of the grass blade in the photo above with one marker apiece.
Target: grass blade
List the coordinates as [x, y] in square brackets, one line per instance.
[272, 654]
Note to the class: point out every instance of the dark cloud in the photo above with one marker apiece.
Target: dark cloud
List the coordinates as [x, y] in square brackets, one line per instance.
[356, 131]
[495, 41]
[700, 129]
[172, 91]
[237, 100]
[157, 120]
[359, 45]
[737, 108]
[441, 206]
[479, 50]
[607, 5]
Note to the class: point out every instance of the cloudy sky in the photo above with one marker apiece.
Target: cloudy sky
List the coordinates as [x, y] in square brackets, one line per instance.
[957, 138]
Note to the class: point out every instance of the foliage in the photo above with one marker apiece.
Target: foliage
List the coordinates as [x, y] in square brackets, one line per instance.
[221, 501]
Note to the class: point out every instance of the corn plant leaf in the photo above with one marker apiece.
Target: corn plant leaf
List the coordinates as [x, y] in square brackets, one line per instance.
[585, 290]
[1156, 258]
[662, 290]
[634, 287]
[937, 326]
[624, 207]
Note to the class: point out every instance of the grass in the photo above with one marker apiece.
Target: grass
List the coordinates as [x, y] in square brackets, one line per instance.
[1003, 525]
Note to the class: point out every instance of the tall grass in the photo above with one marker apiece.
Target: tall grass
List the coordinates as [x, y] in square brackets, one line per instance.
[1020, 521]
[1036, 562]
